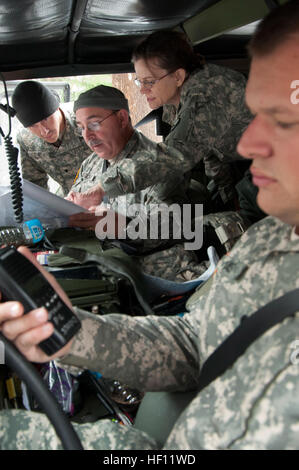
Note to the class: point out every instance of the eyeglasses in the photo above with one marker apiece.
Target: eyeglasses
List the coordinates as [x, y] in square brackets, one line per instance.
[95, 125]
[148, 84]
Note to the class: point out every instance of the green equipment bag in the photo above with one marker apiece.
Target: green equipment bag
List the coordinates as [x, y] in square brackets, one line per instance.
[97, 290]
[91, 275]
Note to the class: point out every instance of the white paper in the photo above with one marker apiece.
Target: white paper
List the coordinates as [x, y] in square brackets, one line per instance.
[38, 203]
[54, 211]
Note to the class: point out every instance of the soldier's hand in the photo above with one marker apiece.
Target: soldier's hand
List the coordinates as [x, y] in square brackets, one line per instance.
[87, 220]
[92, 197]
[27, 331]
[106, 222]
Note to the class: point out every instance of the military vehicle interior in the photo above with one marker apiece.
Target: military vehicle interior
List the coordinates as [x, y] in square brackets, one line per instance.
[43, 39]
[61, 38]
[48, 38]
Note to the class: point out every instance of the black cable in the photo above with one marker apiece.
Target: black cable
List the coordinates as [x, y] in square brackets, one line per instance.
[15, 179]
[7, 108]
[26, 372]
[12, 157]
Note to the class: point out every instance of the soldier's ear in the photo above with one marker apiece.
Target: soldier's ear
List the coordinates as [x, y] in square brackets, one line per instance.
[180, 76]
[123, 117]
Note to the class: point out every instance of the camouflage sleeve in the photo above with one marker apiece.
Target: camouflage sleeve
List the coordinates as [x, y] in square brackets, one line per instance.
[218, 163]
[147, 353]
[253, 404]
[146, 168]
[203, 130]
[210, 132]
[189, 139]
[31, 171]
[30, 430]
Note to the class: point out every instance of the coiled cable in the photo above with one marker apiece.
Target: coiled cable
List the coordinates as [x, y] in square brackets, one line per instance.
[12, 157]
[15, 179]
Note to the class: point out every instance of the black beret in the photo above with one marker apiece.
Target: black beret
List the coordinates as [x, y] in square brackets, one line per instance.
[33, 102]
[102, 96]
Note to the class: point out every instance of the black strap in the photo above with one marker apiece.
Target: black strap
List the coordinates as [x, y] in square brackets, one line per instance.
[249, 330]
[162, 128]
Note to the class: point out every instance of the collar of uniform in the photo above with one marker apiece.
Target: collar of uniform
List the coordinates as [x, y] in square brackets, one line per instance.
[263, 240]
[268, 236]
[127, 151]
[70, 131]
[195, 84]
[60, 138]
[64, 127]
[57, 143]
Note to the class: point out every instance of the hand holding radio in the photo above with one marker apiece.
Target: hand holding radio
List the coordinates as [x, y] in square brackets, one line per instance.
[49, 323]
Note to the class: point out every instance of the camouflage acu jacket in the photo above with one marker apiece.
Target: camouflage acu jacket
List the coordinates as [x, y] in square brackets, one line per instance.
[40, 159]
[93, 168]
[167, 193]
[206, 128]
[253, 405]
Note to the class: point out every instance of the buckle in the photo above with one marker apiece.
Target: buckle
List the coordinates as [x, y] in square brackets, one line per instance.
[227, 233]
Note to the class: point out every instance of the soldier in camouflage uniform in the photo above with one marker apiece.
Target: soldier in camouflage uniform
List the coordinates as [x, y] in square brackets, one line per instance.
[204, 105]
[50, 143]
[94, 166]
[254, 404]
[113, 142]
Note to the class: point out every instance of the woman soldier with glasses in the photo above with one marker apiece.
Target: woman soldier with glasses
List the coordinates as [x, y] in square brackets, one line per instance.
[203, 103]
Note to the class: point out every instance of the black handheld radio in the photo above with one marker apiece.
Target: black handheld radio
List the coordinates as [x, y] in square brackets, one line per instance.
[21, 280]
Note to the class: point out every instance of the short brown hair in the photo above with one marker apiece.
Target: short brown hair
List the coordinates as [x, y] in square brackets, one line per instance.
[171, 49]
[276, 28]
